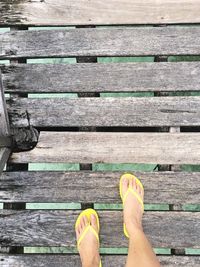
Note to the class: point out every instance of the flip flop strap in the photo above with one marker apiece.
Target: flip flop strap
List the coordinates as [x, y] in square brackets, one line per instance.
[89, 227]
[130, 190]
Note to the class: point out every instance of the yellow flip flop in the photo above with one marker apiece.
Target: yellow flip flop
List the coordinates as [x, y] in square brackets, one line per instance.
[88, 213]
[130, 176]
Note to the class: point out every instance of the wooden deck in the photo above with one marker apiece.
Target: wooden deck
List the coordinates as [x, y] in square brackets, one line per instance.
[160, 127]
[97, 12]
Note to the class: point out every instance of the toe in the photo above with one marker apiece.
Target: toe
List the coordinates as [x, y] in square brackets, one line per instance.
[141, 192]
[125, 185]
[85, 221]
[94, 222]
[134, 184]
[82, 224]
[77, 233]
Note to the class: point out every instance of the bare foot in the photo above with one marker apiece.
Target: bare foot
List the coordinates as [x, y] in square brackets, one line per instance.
[89, 245]
[133, 209]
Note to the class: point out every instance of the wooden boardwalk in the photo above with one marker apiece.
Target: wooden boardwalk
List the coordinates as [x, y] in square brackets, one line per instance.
[161, 129]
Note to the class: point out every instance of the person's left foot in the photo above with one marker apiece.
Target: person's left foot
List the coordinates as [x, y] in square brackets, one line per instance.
[89, 245]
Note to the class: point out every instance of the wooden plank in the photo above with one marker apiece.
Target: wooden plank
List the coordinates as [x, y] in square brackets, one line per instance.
[5, 141]
[99, 147]
[4, 122]
[101, 187]
[81, 112]
[74, 260]
[83, 12]
[4, 155]
[142, 41]
[101, 77]
[56, 228]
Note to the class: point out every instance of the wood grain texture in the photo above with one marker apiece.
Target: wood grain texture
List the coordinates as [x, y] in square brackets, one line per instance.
[4, 155]
[141, 41]
[110, 111]
[4, 122]
[101, 77]
[74, 260]
[83, 12]
[56, 228]
[100, 147]
[100, 187]
[5, 141]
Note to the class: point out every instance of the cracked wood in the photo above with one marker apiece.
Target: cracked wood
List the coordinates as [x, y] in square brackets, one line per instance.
[142, 41]
[101, 77]
[83, 12]
[125, 147]
[109, 111]
[56, 228]
[97, 187]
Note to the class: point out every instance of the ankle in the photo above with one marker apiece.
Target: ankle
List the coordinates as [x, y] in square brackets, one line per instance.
[91, 262]
[133, 227]
[133, 223]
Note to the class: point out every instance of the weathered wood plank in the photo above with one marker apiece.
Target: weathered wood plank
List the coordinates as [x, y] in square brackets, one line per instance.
[74, 260]
[84, 147]
[56, 228]
[78, 112]
[4, 155]
[83, 12]
[101, 42]
[101, 77]
[100, 187]
[4, 122]
[5, 141]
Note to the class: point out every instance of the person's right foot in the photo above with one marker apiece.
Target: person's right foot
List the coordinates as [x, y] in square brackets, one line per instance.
[133, 209]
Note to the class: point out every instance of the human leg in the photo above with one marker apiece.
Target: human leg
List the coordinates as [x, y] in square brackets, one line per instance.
[88, 243]
[140, 253]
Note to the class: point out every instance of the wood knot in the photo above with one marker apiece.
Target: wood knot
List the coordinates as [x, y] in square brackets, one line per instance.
[11, 52]
[24, 139]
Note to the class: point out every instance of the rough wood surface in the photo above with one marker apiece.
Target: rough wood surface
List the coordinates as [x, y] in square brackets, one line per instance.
[56, 228]
[4, 122]
[99, 147]
[101, 77]
[83, 12]
[142, 41]
[100, 187]
[74, 260]
[4, 155]
[5, 141]
[110, 111]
